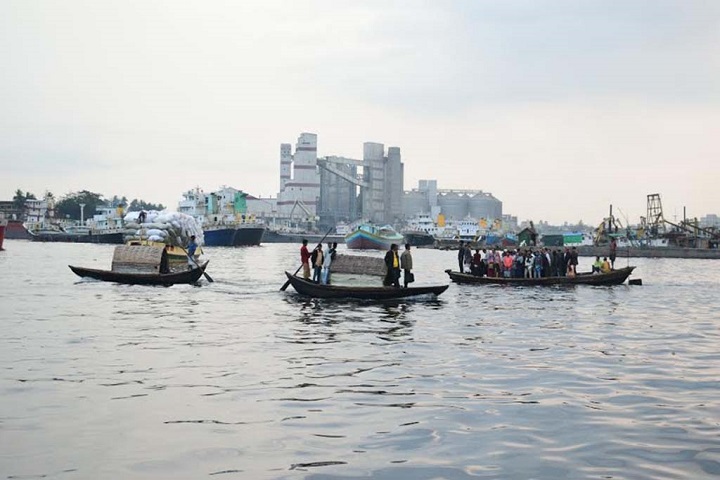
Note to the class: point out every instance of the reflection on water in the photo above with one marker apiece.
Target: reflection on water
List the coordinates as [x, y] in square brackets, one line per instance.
[237, 380]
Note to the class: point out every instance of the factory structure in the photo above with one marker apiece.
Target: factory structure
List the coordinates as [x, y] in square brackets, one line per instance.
[332, 189]
[329, 190]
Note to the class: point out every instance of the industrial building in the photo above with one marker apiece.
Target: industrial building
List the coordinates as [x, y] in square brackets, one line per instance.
[453, 204]
[333, 189]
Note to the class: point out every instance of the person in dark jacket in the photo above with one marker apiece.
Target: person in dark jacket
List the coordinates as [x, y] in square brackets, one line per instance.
[392, 262]
[461, 256]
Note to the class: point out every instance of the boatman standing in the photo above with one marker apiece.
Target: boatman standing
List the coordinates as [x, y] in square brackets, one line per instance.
[305, 259]
[406, 264]
[392, 262]
[613, 252]
[191, 249]
[461, 256]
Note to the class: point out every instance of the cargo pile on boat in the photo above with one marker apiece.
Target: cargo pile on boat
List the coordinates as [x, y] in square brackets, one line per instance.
[171, 228]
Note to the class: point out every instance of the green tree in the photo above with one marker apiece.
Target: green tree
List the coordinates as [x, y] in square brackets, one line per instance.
[137, 205]
[19, 199]
[69, 205]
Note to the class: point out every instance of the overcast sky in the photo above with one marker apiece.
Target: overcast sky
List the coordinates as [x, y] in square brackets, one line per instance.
[558, 108]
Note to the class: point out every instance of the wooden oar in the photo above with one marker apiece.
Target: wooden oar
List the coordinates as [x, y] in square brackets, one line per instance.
[287, 284]
[207, 277]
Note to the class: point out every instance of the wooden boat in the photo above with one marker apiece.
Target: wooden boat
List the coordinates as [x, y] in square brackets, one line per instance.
[311, 289]
[165, 279]
[615, 277]
[142, 265]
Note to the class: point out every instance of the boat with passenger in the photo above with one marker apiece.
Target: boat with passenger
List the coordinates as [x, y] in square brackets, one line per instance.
[142, 265]
[316, 290]
[613, 277]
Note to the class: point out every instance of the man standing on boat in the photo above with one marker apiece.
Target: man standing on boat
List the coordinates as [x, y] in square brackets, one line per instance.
[305, 259]
[317, 261]
[461, 256]
[406, 263]
[613, 252]
[191, 249]
[327, 261]
[392, 262]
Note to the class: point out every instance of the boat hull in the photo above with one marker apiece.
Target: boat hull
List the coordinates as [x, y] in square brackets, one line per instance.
[233, 237]
[219, 237]
[615, 277]
[166, 279]
[419, 239]
[15, 230]
[248, 236]
[315, 290]
[362, 240]
[114, 238]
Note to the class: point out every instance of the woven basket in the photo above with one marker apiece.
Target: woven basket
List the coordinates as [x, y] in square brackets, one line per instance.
[137, 259]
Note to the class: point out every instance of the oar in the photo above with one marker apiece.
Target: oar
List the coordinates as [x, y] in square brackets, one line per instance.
[207, 277]
[287, 284]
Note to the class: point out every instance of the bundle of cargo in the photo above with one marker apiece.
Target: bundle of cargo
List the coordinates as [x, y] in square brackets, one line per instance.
[169, 228]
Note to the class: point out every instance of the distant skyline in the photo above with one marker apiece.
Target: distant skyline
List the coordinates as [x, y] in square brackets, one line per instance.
[559, 108]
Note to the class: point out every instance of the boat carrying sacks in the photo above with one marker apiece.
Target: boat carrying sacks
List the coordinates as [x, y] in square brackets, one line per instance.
[137, 259]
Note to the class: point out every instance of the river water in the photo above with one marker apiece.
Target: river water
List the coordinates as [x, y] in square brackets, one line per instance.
[236, 379]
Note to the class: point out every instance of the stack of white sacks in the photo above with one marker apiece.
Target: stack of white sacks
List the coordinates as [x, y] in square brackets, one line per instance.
[171, 228]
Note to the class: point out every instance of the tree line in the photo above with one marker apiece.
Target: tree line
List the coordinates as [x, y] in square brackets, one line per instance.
[68, 206]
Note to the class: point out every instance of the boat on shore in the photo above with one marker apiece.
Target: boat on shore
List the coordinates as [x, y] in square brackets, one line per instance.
[614, 277]
[369, 237]
[142, 265]
[315, 290]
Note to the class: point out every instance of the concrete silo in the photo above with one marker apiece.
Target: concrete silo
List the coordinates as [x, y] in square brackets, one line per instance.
[453, 205]
[484, 205]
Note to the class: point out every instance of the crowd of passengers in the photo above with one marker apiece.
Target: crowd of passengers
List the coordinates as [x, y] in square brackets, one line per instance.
[524, 262]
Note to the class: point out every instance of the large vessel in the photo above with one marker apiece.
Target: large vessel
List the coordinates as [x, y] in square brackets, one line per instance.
[422, 230]
[369, 237]
[74, 234]
[223, 217]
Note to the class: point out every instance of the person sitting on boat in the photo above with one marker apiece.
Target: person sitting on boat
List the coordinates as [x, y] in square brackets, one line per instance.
[191, 249]
[605, 267]
[317, 261]
[570, 271]
[597, 265]
[392, 262]
[305, 259]
[327, 261]
[406, 263]
[142, 216]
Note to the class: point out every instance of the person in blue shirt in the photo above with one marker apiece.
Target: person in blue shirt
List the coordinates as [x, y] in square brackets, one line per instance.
[191, 249]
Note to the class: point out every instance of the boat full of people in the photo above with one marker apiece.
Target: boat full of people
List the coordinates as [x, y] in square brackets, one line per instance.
[544, 266]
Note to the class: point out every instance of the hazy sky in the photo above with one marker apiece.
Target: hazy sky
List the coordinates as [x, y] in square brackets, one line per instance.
[559, 108]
